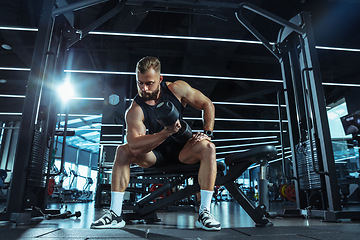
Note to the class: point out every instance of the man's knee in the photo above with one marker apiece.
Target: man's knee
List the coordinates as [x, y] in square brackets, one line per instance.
[123, 154]
[209, 147]
[201, 151]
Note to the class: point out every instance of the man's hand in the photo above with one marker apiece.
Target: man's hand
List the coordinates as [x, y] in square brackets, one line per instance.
[173, 128]
[198, 137]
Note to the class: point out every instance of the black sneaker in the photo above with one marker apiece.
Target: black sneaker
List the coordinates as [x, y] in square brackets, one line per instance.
[109, 220]
[207, 221]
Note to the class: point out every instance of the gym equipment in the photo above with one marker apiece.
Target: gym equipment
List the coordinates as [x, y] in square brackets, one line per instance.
[64, 215]
[217, 195]
[3, 176]
[41, 106]
[282, 190]
[351, 123]
[86, 194]
[76, 195]
[314, 172]
[167, 114]
[4, 186]
[51, 186]
[264, 183]
[290, 193]
[172, 175]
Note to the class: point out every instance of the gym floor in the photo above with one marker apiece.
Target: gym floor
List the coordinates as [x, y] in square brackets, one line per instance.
[235, 222]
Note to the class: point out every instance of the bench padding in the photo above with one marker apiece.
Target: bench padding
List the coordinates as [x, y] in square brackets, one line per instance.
[176, 174]
[251, 155]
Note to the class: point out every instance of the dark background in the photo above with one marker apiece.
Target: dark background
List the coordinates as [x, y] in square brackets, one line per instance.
[336, 23]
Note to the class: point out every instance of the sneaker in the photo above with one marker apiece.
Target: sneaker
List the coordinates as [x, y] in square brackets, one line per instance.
[109, 220]
[207, 221]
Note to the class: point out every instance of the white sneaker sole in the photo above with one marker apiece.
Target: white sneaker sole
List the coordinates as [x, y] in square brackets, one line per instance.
[200, 225]
[110, 226]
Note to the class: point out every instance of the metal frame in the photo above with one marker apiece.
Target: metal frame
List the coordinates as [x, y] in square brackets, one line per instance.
[305, 103]
[54, 37]
[30, 113]
[172, 176]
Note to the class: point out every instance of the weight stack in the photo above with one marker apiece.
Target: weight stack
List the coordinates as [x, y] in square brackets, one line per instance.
[39, 159]
[308, 178]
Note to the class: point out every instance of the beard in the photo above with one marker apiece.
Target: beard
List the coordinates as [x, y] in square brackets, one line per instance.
[149, 96]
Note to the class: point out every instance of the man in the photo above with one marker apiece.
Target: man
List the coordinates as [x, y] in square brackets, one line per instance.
[157, 148]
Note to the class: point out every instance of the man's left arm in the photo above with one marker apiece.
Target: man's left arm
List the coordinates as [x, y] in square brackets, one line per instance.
[198, 100]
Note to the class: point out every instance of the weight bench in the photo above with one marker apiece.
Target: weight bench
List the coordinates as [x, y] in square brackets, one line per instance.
[173, 175]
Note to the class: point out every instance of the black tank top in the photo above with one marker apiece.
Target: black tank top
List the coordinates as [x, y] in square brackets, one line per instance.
[149, 119]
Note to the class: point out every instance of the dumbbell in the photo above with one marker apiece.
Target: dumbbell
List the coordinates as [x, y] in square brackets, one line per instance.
[64, 215]
[167, 114]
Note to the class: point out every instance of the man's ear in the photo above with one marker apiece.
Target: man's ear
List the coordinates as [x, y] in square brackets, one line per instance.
[161, 78]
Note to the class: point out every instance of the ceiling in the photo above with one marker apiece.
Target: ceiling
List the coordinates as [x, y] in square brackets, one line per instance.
[335, 23]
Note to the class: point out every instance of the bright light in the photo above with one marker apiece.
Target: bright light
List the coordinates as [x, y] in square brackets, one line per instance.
[240, 139]
[66, 91]
[178, 37]
[10, 113]
[236, 120]
[334, 118]
[12, 96]
[338, 49]
[249, 104]
[6, 46]
[242, 131]
[246, 145]
[189, 76]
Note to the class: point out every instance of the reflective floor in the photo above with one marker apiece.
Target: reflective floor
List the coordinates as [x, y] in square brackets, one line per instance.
[179, 225]
[229, 214]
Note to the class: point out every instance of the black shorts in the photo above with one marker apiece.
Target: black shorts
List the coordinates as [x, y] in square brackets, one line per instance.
[167, 154]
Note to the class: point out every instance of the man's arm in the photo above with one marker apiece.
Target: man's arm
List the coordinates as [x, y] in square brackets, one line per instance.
[196, 99]
[138, 141]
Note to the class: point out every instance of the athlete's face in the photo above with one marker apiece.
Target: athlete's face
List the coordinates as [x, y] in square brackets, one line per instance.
[148, 84]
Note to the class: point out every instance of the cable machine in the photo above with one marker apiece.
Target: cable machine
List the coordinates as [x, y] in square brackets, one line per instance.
[31, 171]
[314, 172]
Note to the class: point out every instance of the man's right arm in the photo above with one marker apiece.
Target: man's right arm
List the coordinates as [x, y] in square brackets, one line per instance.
[138, 141]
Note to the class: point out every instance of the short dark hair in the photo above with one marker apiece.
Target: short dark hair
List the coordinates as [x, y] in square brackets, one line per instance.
[147, 63]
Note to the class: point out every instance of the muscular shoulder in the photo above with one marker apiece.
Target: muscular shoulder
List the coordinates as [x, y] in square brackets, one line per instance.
[179, 88]
[134, 113]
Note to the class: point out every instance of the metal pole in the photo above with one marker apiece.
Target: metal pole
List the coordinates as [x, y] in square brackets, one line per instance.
[82, 33]
[264, 184]
[30, 111]
[320, 117]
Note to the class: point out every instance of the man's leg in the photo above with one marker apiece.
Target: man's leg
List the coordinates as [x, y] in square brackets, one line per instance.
[120, 177]
[119, 182]
[203, 152]
[121, 174]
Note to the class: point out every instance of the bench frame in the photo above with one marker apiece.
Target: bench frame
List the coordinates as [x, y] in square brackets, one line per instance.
[172, 176]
